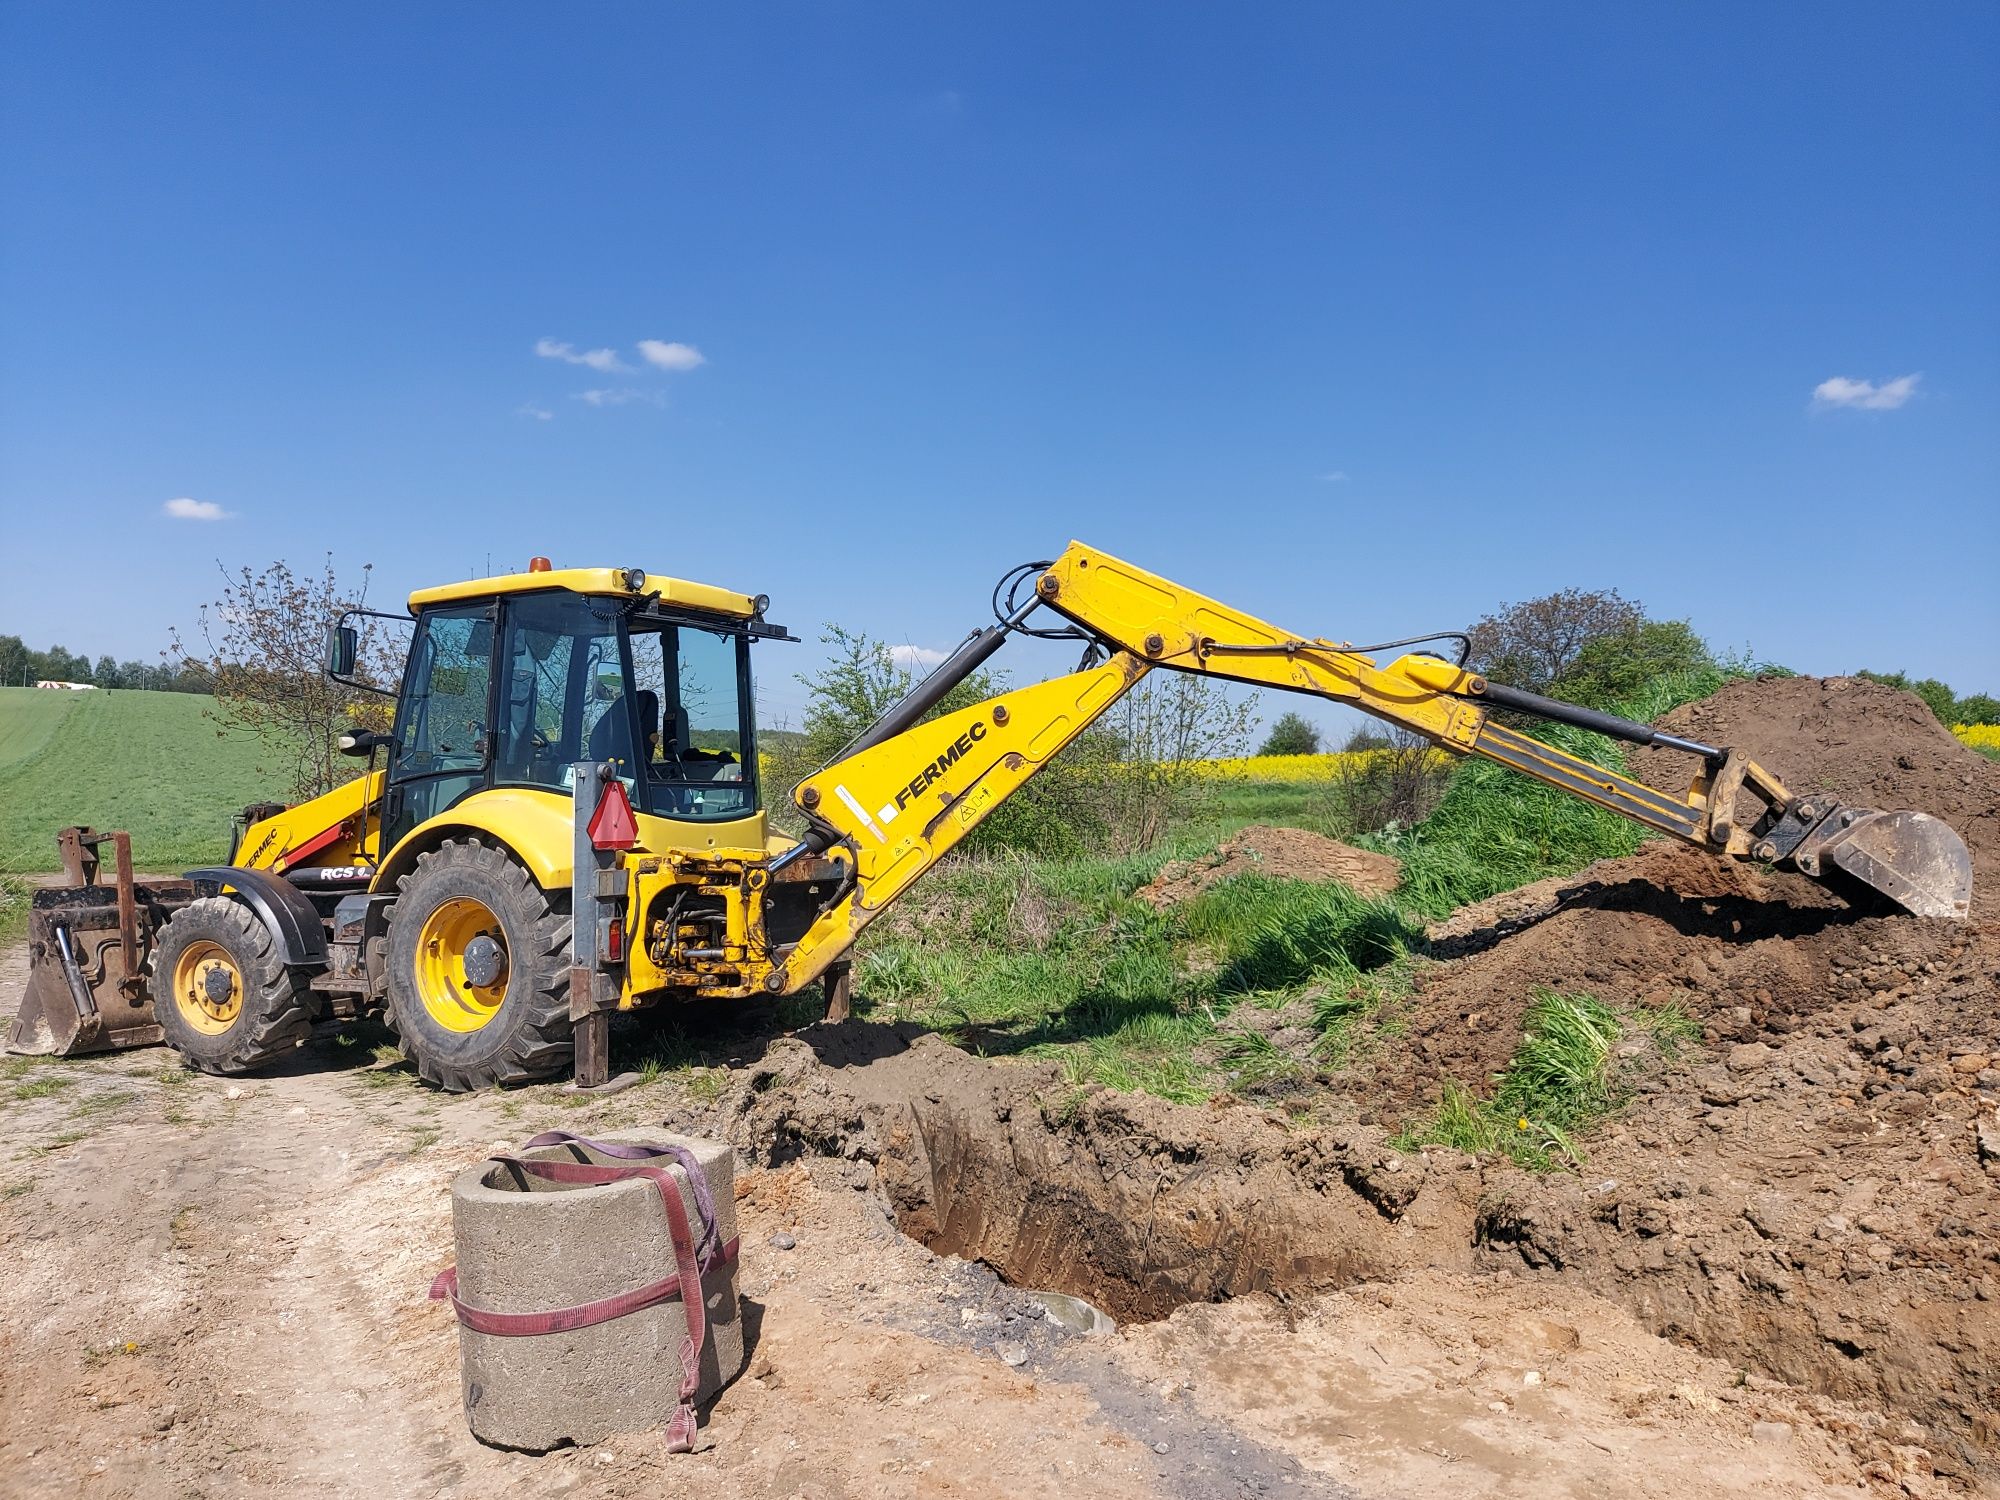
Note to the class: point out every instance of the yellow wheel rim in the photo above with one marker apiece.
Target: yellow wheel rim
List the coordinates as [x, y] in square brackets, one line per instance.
[443, 983]
[208, 987]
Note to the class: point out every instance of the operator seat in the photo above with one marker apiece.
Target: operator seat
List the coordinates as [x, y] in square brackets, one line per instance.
[611, 735]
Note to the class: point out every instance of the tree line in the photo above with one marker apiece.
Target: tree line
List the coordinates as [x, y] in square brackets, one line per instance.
[23, 666]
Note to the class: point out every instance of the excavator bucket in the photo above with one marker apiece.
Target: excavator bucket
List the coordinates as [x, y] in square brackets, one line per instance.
[87, 949]
[1914, 859]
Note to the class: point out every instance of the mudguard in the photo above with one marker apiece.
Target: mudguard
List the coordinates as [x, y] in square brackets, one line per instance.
[294, 921]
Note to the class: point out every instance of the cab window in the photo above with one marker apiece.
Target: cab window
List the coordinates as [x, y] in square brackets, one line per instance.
[561, 691]
[440, 753]
[692, 692]
[442, 725]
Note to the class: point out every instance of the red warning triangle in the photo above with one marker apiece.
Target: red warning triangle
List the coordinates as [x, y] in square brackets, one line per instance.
[612, 826]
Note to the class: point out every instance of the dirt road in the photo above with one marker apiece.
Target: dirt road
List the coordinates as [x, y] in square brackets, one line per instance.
[217, 1288]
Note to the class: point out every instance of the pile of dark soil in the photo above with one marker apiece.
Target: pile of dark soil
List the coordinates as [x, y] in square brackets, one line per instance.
[1281, 853]
[1815, 1193]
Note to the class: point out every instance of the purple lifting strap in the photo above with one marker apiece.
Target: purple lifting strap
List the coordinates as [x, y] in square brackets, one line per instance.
[692, 1262]
[704, 1204]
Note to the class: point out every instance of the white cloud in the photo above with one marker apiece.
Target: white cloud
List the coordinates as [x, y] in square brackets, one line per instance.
[1335, 476]
[184, 509]
[619, 396]
[604, 361]
[538, 413]
[1865, 395]
[665, 356]
[912, 657]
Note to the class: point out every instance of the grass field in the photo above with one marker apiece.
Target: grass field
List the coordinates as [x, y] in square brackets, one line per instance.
[150, 763]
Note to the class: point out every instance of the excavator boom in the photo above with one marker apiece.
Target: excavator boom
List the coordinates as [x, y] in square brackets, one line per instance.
[909, 789]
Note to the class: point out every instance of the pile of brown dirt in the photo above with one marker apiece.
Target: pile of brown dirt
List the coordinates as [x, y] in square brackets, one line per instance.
[1814, 1193]
[1282, 853]
[1865, 743]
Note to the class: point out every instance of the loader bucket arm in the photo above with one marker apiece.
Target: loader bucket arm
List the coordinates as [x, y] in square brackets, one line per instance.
[907, 791]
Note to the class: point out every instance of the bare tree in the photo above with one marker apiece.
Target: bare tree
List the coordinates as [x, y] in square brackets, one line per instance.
[262, 650]
[1536, 643]
[1164, 729]
[1396, 786]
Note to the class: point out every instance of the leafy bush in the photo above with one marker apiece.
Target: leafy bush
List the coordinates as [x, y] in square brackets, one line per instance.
[1615, 668]
[1291, 735]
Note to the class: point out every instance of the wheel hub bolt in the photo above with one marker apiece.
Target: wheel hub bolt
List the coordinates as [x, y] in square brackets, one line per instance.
[216, 984]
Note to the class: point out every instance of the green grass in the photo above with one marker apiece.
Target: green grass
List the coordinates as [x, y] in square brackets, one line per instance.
[150, 763]
[1496, 830]
[29, 718]
[1287, 803]
[1058, 959]
[1565, 1077]
[13, 908]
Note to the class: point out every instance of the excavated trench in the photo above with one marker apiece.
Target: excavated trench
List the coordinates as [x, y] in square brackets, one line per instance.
[1139, 1206]
[1134, 1204]
[1138, 1233]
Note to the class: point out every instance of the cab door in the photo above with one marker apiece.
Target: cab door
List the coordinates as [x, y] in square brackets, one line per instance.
[443, 745]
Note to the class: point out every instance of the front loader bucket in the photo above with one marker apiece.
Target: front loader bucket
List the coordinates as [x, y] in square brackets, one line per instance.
[86, 968]
[1914, 859]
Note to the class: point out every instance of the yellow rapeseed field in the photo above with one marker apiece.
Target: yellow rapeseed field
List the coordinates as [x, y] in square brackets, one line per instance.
[1979, 736]
[1329, 767]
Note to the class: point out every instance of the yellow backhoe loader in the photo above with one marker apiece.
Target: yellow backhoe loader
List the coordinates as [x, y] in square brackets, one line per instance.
[566, 820]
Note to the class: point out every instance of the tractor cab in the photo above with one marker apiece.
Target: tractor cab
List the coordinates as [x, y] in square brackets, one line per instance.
[511, 681]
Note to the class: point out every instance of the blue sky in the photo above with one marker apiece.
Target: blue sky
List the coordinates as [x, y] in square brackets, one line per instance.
[1363, 319]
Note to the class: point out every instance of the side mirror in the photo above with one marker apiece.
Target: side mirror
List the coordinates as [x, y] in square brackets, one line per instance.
[342, 646]
[363, 741]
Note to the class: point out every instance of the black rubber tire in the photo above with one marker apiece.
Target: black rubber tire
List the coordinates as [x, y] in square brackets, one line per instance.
[530, 1036]
[277, 1009]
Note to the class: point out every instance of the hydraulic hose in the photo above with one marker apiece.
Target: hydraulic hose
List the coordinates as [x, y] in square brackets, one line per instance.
[1589, 718]
[972, 652]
